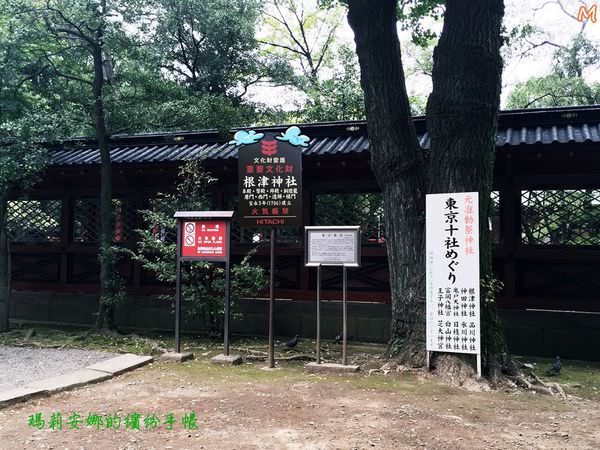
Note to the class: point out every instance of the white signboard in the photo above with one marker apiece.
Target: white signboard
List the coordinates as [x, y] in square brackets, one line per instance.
[452, 249]
[332, 246]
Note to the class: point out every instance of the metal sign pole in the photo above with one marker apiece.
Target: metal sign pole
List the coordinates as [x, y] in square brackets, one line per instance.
[319, 314]
[345, 316]
[479, 365]
[227, 297]
[272, 300]
[178, 292]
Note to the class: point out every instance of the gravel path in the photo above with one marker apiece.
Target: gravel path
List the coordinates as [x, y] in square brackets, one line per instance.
[21, 365]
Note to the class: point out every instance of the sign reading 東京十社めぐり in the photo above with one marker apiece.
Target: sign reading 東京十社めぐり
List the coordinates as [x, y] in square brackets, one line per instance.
[452, 252]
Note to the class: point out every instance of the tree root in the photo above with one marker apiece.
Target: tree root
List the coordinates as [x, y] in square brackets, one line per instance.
[281, 358]
[533, 383]
[257, 355]
[250, 351]
[503, 371]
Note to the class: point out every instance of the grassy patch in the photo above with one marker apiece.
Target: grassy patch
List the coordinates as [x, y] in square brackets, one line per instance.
[152, 343]
[579, 378]
[72, 337]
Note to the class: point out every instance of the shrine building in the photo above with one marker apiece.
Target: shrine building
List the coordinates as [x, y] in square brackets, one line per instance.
[545, 225]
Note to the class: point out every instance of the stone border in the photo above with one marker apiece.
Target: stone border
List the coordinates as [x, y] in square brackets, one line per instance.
[91, 374]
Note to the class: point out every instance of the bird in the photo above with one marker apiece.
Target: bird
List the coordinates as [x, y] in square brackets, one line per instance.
[554, 369]
[339, 338]
[292, 343]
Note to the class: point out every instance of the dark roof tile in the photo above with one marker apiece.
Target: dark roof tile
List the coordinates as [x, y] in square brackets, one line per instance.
[321, 145]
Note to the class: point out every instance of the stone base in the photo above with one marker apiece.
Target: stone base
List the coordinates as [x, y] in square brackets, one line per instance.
[69, 381]
[120, 364]
[19, 395]
[232, 360]
[176, 357]
[313, 367]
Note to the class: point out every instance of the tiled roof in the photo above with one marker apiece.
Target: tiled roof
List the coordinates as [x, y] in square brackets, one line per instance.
[337, 137]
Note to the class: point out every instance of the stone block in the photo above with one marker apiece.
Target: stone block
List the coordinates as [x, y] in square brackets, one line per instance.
[233, 360]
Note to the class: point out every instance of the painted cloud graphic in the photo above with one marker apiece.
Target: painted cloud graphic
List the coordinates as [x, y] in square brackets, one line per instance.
[293, 136]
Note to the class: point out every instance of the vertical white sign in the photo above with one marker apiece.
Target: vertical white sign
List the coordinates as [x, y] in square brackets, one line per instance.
[452, 252]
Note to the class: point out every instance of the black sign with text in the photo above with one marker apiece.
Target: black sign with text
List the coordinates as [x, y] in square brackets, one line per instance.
[270, 178]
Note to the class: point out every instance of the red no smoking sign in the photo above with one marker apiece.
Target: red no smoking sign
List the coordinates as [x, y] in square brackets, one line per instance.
[204, 238]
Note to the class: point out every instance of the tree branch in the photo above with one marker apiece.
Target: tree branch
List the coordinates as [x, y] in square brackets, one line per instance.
[65, 75]
[291, 49]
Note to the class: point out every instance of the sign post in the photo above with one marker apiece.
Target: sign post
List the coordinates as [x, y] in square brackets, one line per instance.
[333, 246]
[452, 274]
[270, 191]
[204, 236]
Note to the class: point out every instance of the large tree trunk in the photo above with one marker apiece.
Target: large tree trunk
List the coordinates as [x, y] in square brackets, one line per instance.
[4, 268]
[462, 114]
[105, 318]
[398, 164]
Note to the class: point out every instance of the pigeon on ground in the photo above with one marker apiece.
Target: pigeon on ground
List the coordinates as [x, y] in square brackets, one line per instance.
[339, 338]
[292, 343]
[554, 369]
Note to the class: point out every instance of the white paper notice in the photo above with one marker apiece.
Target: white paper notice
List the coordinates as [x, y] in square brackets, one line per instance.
[332, 247]
[452, 251]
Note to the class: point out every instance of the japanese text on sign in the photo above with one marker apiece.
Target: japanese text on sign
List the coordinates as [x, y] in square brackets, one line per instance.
[333, 246]
[204, 239]
[452, 249]
[270, 181]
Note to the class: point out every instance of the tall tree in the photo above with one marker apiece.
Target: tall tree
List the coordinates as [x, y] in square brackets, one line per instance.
[21, 161]
[398, 164]
[69, 44]
[324, 67]
[92, 61]
[25, 121]
[87, 27]
[462, 113]
[210, 45]
[566, 84]
[302, 32]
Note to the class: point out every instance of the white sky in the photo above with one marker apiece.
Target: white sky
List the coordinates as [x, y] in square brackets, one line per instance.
[544, 14]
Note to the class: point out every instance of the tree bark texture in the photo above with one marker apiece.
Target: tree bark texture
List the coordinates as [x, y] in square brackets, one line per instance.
[398, 164]
[105, 316]
[4, 268]
[462, 116]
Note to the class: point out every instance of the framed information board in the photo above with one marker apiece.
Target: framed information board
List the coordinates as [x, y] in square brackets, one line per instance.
[332, 246]
[270, 178]
[203, 236]
[205, 239]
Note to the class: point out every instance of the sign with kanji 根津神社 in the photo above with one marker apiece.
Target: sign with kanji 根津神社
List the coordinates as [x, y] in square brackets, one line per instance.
[270, 177]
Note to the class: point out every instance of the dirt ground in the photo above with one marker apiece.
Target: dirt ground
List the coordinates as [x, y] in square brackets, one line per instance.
[249, 408]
